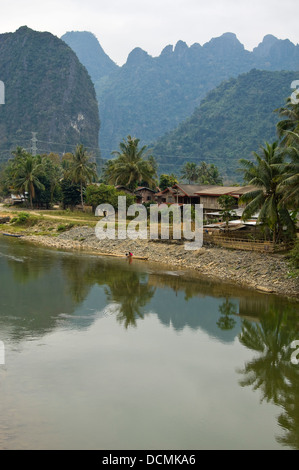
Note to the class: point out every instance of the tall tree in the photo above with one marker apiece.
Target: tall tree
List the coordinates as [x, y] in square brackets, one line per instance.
[289, 123]
[189, 172]
[82, 170]
[289, 186]
[208, 174]
[167, 181]
[288, 131]
[26, 175]
[132, 165]
[265, 174]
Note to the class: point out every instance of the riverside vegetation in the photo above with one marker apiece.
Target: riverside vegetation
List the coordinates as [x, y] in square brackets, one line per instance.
[66, 230]
[274, 172]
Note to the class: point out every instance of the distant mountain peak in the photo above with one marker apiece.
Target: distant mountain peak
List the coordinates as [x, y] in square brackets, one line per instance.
[137, 57]
[270, 38]
[263, 49]
[23, 29]
[180, 46]
[226, 43]
[167, 51]
[90, 53]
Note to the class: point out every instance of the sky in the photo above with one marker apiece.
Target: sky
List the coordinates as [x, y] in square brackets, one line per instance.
[122, 25]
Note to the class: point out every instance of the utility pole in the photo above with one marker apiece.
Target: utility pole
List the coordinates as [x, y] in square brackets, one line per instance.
[34, 142]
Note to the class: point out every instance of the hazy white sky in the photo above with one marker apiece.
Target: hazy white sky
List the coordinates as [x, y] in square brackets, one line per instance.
[122, 25]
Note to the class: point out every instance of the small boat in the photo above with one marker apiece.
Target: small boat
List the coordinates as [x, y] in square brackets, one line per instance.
[11, 235]
[117, 255]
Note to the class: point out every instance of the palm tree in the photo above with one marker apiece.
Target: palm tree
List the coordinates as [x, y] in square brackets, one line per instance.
[130, 167]
[270, 339]
[289, 186]
[203, 173]
[290, 121]
[270, 371]
[26, 176]
[189, 172]
[82, 170]
[265, 174]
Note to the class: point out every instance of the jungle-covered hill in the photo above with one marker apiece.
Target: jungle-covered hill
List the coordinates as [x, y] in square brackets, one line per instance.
[47, 91]
[233, 121]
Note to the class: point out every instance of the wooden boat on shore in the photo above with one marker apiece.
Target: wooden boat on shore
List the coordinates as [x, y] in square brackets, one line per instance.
[115, 255]
[11, 235]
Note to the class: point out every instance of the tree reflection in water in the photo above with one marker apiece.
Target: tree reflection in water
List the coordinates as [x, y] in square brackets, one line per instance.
[271, 371]
[227, 309]
[131, 293]
[128, 289]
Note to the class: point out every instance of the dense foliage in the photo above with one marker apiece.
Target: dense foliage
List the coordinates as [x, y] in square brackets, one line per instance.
[231, 122]
[132, 165]
[106, 194]
[274, 173]
[202, 173]
[43, 180]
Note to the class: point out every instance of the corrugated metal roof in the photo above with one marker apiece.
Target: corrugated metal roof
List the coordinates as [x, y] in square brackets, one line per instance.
[239, 191]
[191, 190]
[216, 191]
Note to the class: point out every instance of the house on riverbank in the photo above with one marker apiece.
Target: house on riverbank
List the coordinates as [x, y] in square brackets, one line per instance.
[204, 194]
[181, 194]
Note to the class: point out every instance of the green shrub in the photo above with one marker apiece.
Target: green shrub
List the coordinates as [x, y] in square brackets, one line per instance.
[25, 219]
[64, 228]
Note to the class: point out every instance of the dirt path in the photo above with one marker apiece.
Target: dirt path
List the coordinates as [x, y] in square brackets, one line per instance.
[10, 213]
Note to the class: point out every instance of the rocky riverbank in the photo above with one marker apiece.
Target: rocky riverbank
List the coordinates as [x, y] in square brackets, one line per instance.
[264, 272]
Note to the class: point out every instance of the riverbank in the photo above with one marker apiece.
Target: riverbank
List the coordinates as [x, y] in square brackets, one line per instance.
[260, 271]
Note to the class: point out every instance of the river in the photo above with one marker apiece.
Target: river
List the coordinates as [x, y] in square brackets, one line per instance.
[100, 353]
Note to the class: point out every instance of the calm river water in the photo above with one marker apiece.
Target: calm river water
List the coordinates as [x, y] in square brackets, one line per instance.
[103, 354]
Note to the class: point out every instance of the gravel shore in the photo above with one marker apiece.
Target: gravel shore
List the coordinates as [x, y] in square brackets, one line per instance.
[264, 272]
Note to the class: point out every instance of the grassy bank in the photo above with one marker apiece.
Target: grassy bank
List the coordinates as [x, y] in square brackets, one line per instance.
[43, 223]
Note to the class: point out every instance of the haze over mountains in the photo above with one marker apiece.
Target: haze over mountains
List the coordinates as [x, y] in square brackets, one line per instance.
[150, 96]
[232, 121]
[47, 91]
[59, 87]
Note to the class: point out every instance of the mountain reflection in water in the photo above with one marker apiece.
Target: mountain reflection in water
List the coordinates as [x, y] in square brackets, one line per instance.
[43, 289]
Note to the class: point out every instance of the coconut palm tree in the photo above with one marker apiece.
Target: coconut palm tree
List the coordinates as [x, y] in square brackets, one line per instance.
[289, 123]
[189, 172]
[82, 170]
[27, 170]
[132, 165]
[265, 174]
[270, 338]
[271, 371]
[289, 186]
